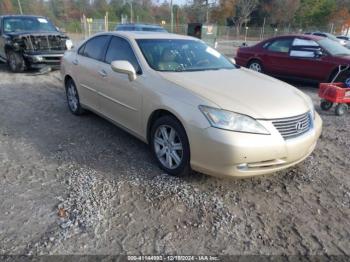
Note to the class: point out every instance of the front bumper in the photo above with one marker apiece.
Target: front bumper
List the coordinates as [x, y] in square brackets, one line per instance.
[36, 59]
[225, 153]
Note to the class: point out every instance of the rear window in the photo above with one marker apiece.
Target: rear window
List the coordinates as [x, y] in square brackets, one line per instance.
[281, 46]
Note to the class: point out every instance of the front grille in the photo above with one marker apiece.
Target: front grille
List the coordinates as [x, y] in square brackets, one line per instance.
[292, 127]
[45, 43]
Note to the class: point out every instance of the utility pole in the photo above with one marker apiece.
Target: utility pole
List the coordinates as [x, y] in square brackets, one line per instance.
[207, 14]
[131, 13]
[131, 10]
[171, 16]
[20, 7]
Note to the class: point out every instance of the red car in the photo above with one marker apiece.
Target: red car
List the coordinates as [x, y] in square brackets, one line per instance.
[306, 57]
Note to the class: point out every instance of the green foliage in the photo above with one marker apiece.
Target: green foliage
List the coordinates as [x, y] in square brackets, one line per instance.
[297, 13]
[315, 12]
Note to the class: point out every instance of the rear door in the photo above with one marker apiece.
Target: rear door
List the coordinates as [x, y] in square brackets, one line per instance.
[276, 58]
[88, 70]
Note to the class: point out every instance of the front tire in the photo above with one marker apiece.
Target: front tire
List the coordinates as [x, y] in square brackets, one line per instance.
[73, 98]
[170, 147]
[15, 62]
[256, 66]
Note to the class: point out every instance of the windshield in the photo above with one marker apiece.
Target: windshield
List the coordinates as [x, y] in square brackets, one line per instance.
[176, 55]
[28, 24]
[334, 48]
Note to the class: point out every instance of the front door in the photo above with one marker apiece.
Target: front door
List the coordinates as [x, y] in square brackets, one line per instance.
[121, 99]
[305, 63]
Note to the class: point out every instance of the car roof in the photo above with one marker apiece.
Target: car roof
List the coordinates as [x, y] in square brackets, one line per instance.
[142, 25]
[149, 35]
[22, 16]
[311, 37]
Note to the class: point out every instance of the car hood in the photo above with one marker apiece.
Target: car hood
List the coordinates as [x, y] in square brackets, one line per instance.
[342, 59]
[243, 91]
[30, 33]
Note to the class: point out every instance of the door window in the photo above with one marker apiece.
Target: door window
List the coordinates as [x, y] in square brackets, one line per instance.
[95, 48]
[281, 46]
[120, 49]
[304, 48]
[304, 43]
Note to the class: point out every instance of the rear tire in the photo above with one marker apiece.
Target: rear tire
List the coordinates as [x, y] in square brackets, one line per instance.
[341, 109]
[15, 62]
[326, 105]
[256, 66]
[170, 147]
[73, 98]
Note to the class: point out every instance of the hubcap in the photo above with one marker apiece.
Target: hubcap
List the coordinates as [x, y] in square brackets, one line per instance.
[255, 67]
[72, 97]
[168, 147]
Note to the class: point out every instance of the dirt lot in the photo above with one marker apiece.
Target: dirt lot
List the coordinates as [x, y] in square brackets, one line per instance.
[119, 202]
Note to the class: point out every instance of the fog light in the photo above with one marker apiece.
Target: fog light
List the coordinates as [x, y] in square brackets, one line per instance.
[242, 166]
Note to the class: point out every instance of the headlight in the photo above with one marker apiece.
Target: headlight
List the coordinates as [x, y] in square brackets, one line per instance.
[232, 121]
[69, 44]
[311, 106]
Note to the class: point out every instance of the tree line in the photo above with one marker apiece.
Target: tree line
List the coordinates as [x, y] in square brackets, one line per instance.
[237, 13]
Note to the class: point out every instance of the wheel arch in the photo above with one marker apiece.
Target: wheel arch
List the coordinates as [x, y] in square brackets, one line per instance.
[8, 48]
[332, 74]
[156, 114]
[66, 79]
[254, 59]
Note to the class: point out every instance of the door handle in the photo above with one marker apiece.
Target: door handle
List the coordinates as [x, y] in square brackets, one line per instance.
[75, 62]
[102, 73]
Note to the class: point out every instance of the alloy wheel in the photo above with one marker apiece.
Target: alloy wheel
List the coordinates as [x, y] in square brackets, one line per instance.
[255, 67]
[72, 97]
[168, 147]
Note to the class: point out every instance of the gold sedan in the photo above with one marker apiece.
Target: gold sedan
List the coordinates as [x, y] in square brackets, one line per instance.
[194, 107]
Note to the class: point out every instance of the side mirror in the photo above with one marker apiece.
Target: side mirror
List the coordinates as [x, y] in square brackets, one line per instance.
[124, 67]
[318, 53]
[61, 30]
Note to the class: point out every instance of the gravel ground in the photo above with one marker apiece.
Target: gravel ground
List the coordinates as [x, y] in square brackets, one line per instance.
[79, 185]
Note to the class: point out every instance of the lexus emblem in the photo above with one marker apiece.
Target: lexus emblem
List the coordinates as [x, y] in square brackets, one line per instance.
[299, 126]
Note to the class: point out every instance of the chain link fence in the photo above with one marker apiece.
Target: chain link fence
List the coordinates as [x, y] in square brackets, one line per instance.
[228, 38]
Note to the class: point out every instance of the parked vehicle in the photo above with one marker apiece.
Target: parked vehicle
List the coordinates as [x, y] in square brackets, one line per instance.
[328, 35]
[140, 27]
[207, 32]
[306, 57]
[343, 37]
[193, 106]
[346, 39]
[336, 93]
[31, 42]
